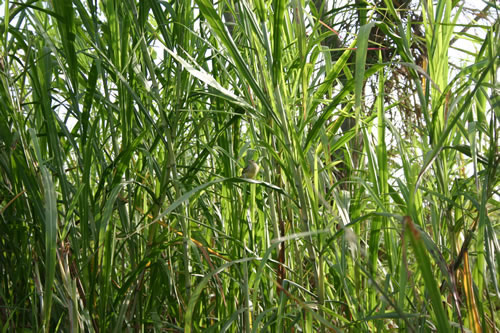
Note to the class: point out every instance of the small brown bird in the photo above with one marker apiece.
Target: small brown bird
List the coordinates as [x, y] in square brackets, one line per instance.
[251, 170]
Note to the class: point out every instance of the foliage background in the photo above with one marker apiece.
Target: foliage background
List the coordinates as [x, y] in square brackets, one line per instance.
[124, 126]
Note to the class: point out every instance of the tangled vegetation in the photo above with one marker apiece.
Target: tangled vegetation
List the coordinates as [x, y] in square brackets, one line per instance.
[125, 126]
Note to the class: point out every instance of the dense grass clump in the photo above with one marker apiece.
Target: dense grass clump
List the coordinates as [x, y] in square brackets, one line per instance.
[125, 126]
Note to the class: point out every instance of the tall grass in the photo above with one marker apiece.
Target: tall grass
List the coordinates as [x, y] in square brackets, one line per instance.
[124, 127]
